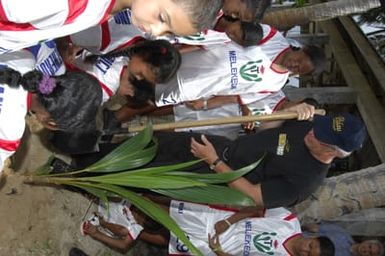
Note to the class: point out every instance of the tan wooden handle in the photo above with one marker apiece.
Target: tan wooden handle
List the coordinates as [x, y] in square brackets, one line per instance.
[276, 116]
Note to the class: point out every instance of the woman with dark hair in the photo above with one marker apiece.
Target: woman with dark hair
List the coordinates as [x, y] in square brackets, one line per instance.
[133, 71]
[67, 103]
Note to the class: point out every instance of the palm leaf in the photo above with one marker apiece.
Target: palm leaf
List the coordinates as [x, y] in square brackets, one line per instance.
[211, 194]
[152, 210]
[124, 160]
[145, 181]
[215, 178]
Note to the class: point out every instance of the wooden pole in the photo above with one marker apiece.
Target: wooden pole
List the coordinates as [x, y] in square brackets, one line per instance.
[276, 116]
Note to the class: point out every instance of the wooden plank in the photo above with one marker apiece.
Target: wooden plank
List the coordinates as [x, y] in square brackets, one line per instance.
[317, 39]
[368, 53]
[372, 112]
[324, 95]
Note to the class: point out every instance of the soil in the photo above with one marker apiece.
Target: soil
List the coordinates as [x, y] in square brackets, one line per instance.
[43, 220]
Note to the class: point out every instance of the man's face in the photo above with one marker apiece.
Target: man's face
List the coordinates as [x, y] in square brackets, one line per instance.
[161, 17]
[238, 9]
[297, 62]
[309, 247]
[368, 248]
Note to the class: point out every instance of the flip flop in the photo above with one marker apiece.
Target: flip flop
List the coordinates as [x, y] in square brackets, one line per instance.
[82, 226]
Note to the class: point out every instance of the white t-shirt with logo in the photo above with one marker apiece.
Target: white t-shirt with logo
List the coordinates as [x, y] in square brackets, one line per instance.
[252, 236]
[227, 69]
[13, 104]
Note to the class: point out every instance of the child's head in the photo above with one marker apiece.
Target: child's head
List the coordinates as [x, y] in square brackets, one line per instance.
[179, 17]
[244, 33]
[244, 10]
[68, 102]
[154, 61]
[309, 59]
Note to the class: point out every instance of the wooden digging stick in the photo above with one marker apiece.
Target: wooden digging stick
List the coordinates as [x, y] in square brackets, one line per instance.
[276, 116]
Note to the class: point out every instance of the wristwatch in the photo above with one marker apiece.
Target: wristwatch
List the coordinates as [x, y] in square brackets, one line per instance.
[215, 163]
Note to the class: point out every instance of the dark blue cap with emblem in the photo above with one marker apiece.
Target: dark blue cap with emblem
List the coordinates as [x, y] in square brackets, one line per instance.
[345, 131]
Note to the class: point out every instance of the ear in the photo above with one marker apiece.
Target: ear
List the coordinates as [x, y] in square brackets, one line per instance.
[51, 125]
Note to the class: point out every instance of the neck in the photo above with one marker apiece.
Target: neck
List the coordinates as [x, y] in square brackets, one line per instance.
[281, 58]
[292, 244]
[322, 157]
[320, 153]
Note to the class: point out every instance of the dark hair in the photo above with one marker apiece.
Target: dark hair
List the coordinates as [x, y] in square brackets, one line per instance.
[160, 54]
[317, 57]
[72, 101]
[326, 246]
[202, 13]
[252, 33]
[261, 9]
[143, 90]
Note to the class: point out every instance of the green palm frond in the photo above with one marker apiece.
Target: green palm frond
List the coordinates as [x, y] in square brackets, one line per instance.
[210, 194]
[111, 176]
[149, 208]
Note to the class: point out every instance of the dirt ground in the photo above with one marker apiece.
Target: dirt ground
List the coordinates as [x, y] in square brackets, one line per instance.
[42, 220]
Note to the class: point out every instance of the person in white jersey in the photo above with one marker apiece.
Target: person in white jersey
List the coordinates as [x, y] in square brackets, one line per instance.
[24, 89]
[213, 230]
[145, 63]
[24, 26]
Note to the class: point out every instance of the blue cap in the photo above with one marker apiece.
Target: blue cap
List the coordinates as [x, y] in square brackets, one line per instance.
[342, 130]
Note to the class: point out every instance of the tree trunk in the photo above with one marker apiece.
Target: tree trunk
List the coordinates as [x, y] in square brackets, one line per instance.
[345, 194]
[287, 18]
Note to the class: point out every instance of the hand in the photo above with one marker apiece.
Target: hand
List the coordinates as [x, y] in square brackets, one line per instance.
[89, 229]
[305, 111]
[246, 112]
[204, 151]
[214, 243]
[220, 227]
[196, 104]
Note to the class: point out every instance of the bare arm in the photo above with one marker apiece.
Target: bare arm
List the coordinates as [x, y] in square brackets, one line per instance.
[245, 212]
[213, 102]
[157, 239]
[207, 152]
[121, 244]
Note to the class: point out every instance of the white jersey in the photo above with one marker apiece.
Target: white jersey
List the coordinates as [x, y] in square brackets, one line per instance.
[13, 104]
[25, 23]
[120, 213]
[265, 105]
[273, 43]
[204, 39]
[116, 33]
[252, 236]
[48, 58]
[106, 70]
[227, 69]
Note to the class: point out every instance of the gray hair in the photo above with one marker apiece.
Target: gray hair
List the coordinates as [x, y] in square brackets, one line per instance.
[202, 13]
